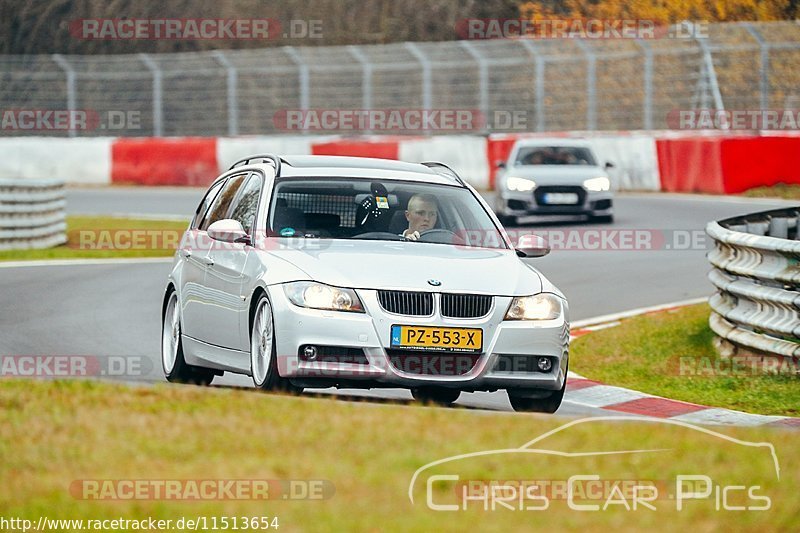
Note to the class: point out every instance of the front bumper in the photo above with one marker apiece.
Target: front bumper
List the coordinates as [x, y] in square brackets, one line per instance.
[591, 203]
[370, 332]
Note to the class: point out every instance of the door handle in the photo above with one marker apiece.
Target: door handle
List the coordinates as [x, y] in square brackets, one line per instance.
[207, 261]
[186, 254]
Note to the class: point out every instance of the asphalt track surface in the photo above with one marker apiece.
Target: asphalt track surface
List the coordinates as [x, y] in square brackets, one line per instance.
[112, 310]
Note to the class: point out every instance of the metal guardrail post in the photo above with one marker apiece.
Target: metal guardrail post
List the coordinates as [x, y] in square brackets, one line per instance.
[538, 82]
[232, 98]
[763, 70]
[591, 85]
[427, 98]
[647, 100]
[71, 90]
[366, 77]
[483, 81]
[303, 77]
[158, 117]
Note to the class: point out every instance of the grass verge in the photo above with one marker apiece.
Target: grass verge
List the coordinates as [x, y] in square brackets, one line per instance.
[671, 354]
[57, 433]
[109, 237]
[787, 191]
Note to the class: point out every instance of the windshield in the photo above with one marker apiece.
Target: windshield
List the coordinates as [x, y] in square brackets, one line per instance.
[555, 155]
[360, 209]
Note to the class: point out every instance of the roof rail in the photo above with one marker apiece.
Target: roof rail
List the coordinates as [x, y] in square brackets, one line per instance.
[274, 159]
[435, 165]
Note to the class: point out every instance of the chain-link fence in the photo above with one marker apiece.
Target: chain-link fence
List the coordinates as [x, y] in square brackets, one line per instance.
[549, 85]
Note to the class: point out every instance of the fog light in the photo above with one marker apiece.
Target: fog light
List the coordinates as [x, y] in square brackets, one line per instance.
[544, 364]
[310, 353]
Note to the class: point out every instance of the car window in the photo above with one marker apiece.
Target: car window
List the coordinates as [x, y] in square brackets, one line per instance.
[222, 203]
[360, 209]
[555, 155]
[202, 209]
[244, 208]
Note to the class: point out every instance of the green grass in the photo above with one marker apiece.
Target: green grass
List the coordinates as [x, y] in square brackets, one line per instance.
[644, 353]
[788, 191]
[56, 432]
[109, 237]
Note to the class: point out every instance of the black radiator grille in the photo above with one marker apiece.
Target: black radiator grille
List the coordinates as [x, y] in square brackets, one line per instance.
[406, 303]
[466, 305]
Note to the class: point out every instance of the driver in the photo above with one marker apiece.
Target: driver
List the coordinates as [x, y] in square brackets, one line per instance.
[421, 213]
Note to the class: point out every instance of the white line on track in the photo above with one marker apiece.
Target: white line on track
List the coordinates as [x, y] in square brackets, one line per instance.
[84, 262]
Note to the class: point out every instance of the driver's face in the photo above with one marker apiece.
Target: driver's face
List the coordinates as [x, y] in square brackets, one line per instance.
[421, 215]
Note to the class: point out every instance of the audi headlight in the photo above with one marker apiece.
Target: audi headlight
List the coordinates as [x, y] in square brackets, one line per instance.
[319, 296]
[520, 184]
[597, 184]
[542, 306]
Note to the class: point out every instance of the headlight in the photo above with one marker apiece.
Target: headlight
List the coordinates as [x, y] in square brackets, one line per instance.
[542, 306]
[318, 296]
[597, 184]
[520, 184]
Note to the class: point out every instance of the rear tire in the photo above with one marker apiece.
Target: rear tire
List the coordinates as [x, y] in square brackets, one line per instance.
[172, 361]
[508, 221]
[607, 219]
[437, 395]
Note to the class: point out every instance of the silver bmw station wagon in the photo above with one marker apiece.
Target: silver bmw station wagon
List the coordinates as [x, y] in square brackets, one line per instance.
[317, 271]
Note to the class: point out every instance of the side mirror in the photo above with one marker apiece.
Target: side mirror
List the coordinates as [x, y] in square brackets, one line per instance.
[531, 246]
[609, 164]
[228, 230]
[501, 164]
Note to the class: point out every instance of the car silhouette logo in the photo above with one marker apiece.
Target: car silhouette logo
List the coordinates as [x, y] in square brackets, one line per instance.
[434, 282]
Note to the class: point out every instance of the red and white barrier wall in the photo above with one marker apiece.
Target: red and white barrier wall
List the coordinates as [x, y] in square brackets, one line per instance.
[656, 161]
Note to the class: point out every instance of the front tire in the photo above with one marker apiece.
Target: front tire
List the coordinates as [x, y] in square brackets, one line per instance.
[172, 361]
[437, 395]
[263, 354]
[549, 404]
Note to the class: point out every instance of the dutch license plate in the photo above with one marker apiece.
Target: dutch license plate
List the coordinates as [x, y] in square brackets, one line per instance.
[434, 338]
[561, 198]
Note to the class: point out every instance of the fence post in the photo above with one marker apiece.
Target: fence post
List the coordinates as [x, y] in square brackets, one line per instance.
[303, 75]
[538, 83]
[647, 102]
[764, 68]
[426, 74]
[591, 84]
[708, 61]
[483, 81]
[158, 121]
[366, 78]
[71, 95]
[232, 82]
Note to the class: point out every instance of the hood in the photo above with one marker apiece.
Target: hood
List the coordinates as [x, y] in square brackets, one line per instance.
[399, 265]
[557, 174]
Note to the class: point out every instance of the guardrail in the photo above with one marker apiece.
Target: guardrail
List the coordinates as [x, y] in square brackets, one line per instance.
[32, 214]
[756, 260]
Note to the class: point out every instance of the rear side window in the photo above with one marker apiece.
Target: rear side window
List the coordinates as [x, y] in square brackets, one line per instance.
[244, 210]
[202, 209]
[222, 203]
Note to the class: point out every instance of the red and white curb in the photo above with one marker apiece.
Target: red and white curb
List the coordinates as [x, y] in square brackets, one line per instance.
[590, 393]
